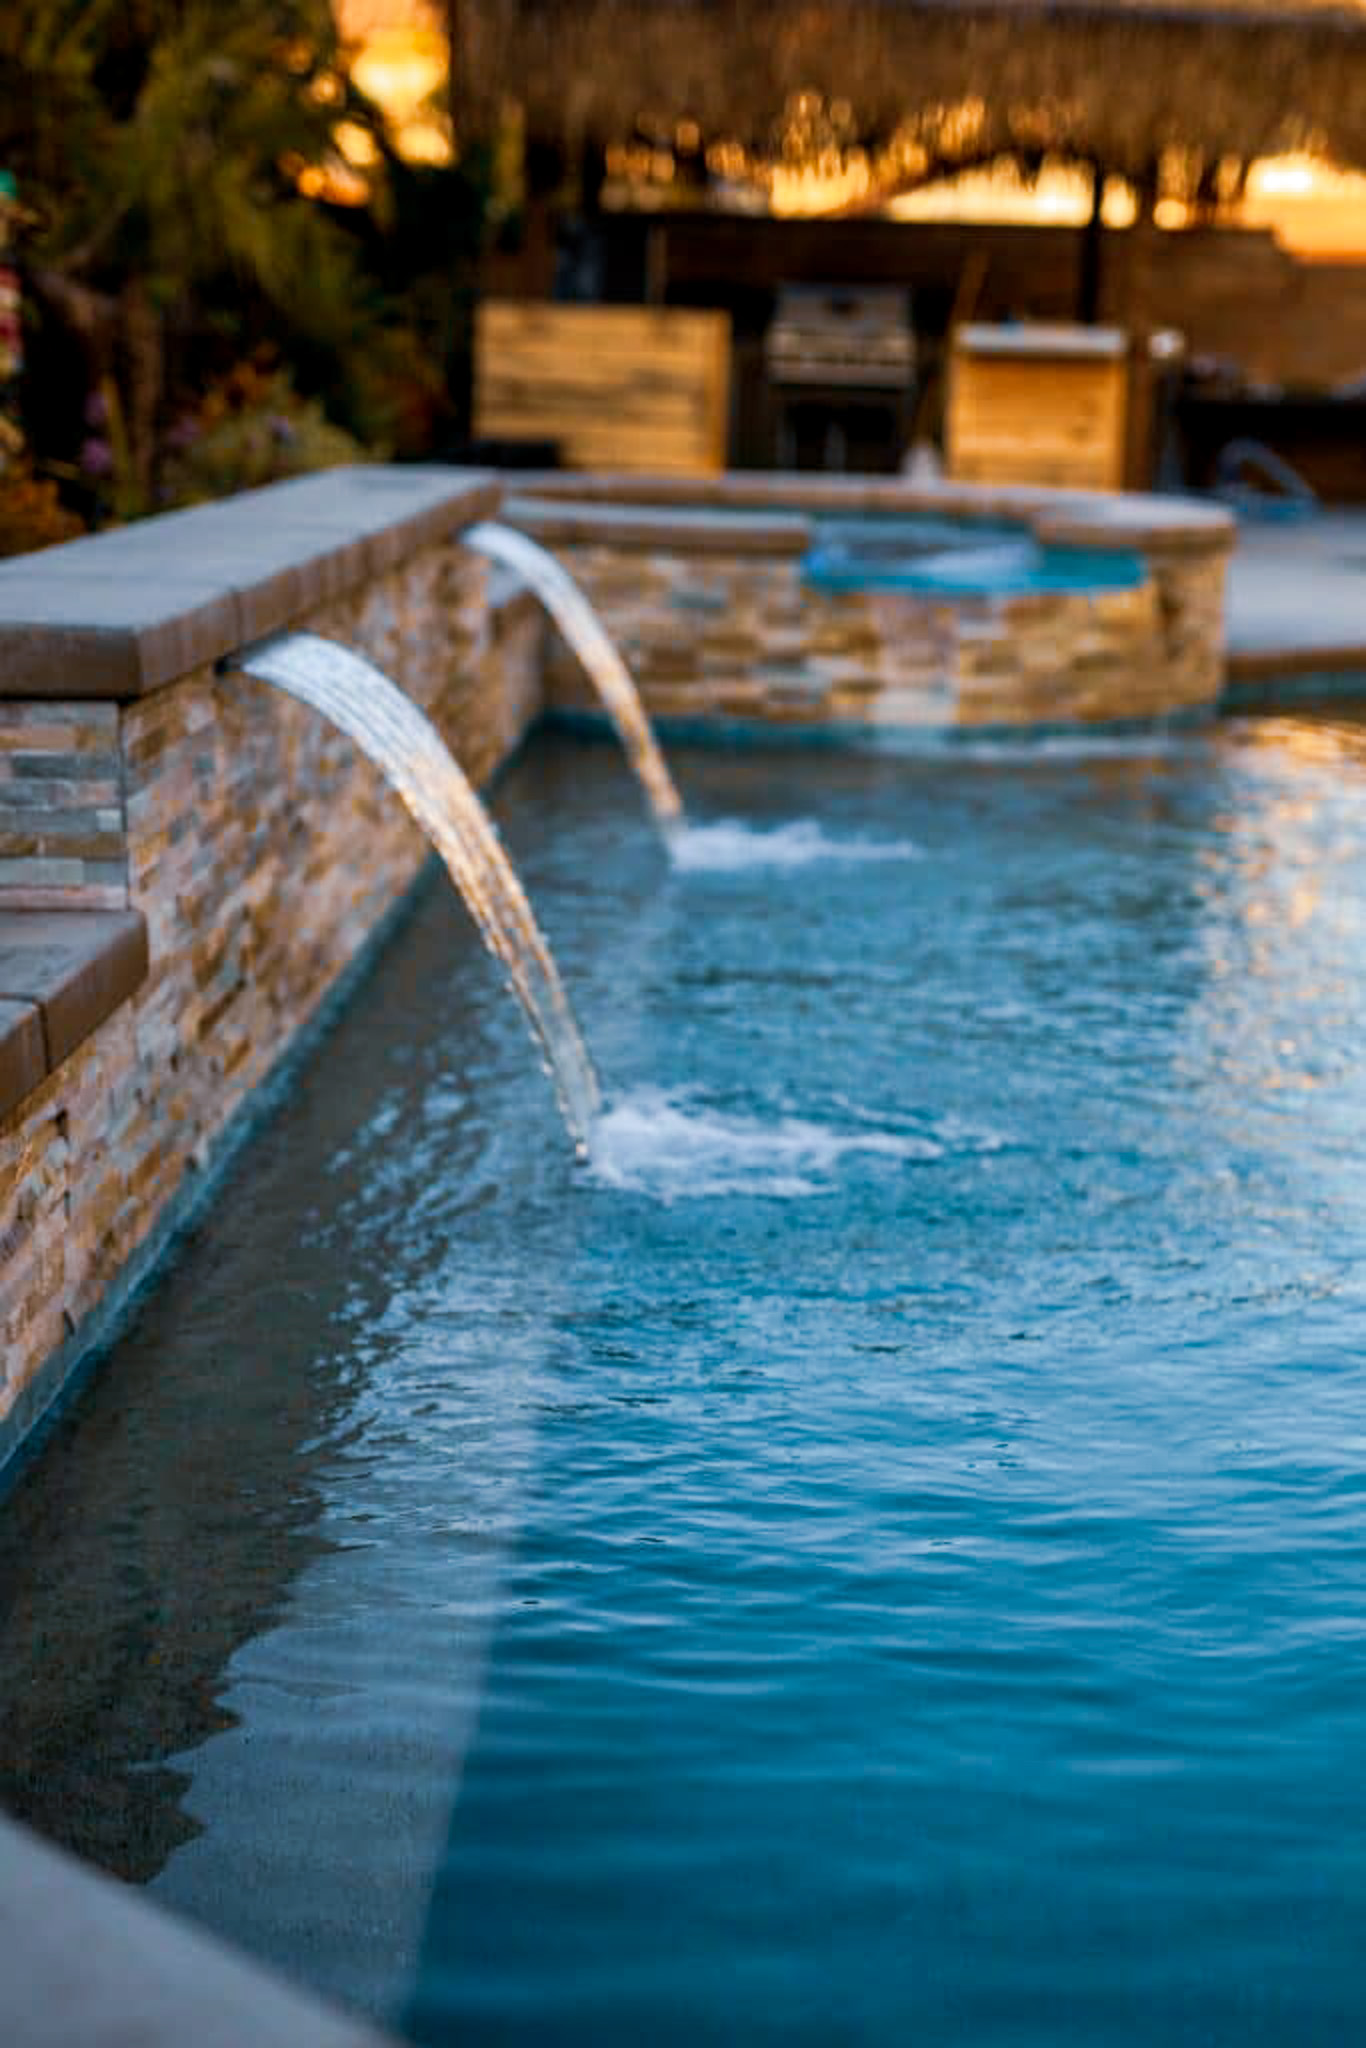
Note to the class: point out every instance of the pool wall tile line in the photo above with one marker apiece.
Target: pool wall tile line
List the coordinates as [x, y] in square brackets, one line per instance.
[1284, 686]
[1266, 670]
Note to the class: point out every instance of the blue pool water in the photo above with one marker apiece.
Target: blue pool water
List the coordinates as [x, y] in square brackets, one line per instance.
[965, 558]
[880, 1555]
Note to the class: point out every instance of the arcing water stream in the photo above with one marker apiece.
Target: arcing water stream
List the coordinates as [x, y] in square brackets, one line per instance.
[362, 702]
[594, 646]
[387, 726]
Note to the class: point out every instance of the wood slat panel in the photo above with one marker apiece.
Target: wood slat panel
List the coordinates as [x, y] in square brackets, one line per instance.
[1037, 420]
[632, 387]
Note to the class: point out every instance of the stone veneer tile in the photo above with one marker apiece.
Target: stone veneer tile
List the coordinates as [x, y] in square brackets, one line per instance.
[262, 849]
[787, 651]
[61, 804]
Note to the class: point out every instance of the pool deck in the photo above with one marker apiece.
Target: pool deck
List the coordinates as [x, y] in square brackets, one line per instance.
[1297, 599]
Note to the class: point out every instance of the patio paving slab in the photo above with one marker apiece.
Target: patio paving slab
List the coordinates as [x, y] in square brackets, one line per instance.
[1297, 598]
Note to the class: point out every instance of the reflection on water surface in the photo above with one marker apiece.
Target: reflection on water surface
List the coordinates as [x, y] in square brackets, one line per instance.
[878, 1552]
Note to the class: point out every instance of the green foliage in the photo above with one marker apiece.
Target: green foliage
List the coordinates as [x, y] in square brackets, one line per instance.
[160, 143]
[31, 514]
[150, 133]
[252, 428]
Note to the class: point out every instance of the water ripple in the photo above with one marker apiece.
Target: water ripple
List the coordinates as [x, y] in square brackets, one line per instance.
[729, 845]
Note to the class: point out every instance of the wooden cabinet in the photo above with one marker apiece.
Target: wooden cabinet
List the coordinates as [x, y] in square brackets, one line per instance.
[617, 387]
[1038, 404]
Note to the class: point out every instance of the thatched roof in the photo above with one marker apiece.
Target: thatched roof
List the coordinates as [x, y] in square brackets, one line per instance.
[1119, 80]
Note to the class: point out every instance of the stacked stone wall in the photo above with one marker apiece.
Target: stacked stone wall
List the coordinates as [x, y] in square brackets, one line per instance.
[61, 806]
[262, 850]
[712, 635]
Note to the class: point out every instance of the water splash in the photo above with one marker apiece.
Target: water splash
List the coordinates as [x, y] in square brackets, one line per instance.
[361, 701]
[729, 844]
[650, 1143]
[596, 649]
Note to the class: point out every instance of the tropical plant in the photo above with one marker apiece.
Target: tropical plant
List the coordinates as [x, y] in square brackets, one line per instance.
[251, 428]
[178, 155]
[32, 515]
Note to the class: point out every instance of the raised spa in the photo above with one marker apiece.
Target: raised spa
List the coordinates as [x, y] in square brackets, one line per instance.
[819, 607]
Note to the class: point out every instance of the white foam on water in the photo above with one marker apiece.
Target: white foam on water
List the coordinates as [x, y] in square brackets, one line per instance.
[729, 845]
[1137, 744]
[651, 1143]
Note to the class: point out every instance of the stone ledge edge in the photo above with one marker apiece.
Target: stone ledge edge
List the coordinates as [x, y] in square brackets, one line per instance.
[121, 614]
[86, 1959]
[1296, 663]
[54, 1009]
[710, 529]
[1093, 519]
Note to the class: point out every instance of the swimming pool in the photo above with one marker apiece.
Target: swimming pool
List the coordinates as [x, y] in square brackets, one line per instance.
[876, 1556]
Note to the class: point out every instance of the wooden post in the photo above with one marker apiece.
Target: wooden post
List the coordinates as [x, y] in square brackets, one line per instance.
[455, 57]
[1088, 282]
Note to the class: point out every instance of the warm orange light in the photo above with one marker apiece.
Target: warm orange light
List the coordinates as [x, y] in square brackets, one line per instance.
[1313, 207]
[400, 62]
[400, 69]
[821, 187]
[424, 142]
[1119, 204]
[1275, 176]
[336, 182]
[359, 20]
[356, 144]
[998, 195]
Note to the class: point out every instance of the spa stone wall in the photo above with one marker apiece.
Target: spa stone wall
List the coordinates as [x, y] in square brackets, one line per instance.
[710, 634]
[263, 851]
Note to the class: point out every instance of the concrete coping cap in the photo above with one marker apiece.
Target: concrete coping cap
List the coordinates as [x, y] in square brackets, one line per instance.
[693, 529]
[1093, 519]
[122, 613]
[85, 1959]
[62, 972]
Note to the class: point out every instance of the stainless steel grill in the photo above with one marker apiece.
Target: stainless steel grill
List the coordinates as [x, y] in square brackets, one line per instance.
[826, 335]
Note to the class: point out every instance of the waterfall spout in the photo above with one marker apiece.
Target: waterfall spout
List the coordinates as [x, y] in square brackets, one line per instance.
[387, 726]
[590, 640]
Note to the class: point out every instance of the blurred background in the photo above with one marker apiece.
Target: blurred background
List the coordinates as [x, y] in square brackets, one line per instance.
[1121, 242]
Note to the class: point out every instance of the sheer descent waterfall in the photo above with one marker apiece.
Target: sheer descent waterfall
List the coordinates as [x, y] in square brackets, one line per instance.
[387, 726]
[594, 646]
